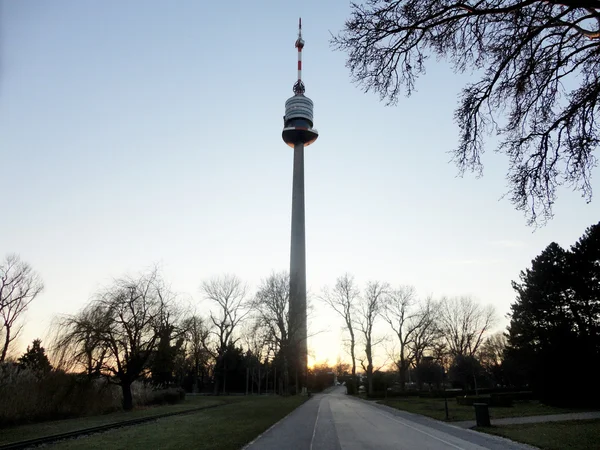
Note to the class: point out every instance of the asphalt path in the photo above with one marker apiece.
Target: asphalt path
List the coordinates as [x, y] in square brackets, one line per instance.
[336, 421]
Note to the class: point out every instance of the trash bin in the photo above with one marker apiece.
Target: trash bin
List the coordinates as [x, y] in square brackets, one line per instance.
[482, 414]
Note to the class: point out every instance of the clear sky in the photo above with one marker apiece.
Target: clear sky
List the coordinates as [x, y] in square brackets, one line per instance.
[143, 132]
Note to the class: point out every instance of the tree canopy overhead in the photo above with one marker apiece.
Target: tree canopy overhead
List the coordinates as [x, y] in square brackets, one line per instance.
[539, 62]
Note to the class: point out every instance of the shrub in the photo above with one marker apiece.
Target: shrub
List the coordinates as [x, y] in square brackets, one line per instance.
[502, 399]
[383, 380]
[523, 396]
[449, 393]
[394, 394]
[27, 397]
[167, 396]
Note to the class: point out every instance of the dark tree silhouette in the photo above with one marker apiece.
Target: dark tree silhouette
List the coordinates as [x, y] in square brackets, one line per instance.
[399, 312]
[465, 371]
[463, 324]
[555, 320]
[124, 322]
[196, 344]
[271, 303]
[491, 357]
[369, 310]
[429, 372]
[35, 358]
[539, 67]
[231, 306]
[344, 299]
[19, 286]
[163, 362]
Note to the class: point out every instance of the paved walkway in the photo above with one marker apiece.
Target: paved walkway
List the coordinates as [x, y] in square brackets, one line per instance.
[335, 421]
[534, 419]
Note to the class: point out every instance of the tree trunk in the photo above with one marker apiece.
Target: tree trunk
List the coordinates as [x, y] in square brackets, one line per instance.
[217, 374]
[354, 380]
[5, 346]
[286, 376]
[297, 382]
[127, 397]
[402, 372]
[352, 355]
[195, 380]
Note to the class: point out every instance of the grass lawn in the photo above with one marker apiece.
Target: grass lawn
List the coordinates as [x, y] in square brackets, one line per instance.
[32, 431]
[227, 427]
[571, 435]
[434, 407]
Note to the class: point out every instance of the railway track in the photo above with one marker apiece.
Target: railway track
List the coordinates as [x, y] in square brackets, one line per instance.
[29, 443]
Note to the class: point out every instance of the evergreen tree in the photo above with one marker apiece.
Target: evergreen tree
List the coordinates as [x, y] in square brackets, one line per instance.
[465, 372]
[35, 358]
[163, 362]
[584, 274]
[554, 322]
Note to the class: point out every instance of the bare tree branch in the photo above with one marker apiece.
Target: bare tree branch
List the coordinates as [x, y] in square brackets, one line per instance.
[539, 63]
[343, 299]
[369, 311]
[464, 324]
[231, 306]
[19, 286]
[117, 332]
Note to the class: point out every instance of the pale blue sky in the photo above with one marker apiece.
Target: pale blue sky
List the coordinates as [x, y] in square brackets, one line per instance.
[140, 132]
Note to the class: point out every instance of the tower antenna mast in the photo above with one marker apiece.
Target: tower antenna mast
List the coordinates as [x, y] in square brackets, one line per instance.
[299, 85]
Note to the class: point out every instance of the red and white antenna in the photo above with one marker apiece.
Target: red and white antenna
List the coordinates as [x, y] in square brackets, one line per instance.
[299, 85]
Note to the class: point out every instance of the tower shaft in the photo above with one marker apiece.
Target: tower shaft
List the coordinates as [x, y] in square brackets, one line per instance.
[298, 132]
[298, 327]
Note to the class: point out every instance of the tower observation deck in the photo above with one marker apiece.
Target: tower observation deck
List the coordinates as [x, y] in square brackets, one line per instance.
[298, 119]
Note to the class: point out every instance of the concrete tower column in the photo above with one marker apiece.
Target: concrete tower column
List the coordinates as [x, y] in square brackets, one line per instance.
[298, 327]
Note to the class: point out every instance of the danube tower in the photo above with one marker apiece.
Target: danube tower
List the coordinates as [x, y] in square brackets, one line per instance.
[298, 132]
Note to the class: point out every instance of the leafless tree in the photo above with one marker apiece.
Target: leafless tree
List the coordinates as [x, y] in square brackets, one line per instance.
[231, 307]
[196, 343]
[257, 341]
[124, 321]
[539, 62]
[79, 341]
[19, 286]
[272, 303]
[344, 299]
[398, 311]
[464, 323]
[491, 352]
[369, 311]
[255, 337]
[426, 330]
[341, 368]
